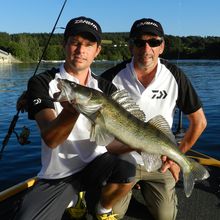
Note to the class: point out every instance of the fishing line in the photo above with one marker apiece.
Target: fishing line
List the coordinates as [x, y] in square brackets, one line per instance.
[25, 133]
[180, 131]
[179, 21]
[54, 27]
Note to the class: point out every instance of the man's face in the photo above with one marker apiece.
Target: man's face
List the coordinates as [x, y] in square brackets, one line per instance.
[146, 50]
[80, 52]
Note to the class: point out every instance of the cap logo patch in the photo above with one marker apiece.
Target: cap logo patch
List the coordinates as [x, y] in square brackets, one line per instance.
[146, 23]
[82, 21]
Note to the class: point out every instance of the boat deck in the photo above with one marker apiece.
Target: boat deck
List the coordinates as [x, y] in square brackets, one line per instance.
[203, 204]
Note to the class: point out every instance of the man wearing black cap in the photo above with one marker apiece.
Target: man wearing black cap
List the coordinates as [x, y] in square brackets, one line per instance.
[70, 161]
[158, 87]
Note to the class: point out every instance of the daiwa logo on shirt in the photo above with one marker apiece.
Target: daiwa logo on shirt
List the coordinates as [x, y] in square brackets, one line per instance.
[37, 101]
[159, 94]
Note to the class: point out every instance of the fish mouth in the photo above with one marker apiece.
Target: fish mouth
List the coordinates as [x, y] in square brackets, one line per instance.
[59, 85]
[56, 96]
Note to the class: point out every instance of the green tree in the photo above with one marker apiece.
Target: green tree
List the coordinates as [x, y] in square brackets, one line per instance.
[29, 47]
[54, 52]
[4, 41]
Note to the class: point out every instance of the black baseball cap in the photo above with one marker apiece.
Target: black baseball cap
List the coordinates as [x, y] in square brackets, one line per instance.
[83, 24]
[146, 26]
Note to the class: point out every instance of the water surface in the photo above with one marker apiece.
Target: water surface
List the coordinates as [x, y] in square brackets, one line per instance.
[20, 162]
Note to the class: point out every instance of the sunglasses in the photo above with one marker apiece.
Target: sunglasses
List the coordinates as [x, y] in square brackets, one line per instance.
[151, 42]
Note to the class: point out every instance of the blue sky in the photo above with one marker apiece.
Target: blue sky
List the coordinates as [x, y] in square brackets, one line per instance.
[178, 17]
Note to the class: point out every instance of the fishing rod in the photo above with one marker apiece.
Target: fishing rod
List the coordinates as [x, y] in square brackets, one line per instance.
[10, 130]
[54, 27]
[21, 103]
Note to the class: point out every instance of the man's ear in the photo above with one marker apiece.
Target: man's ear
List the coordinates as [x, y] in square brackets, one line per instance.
[162, 46]
[64, 43]
[99, 48]
[130, 47]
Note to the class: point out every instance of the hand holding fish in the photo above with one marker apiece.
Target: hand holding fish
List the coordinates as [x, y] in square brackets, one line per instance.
[69, 107]
[22, 102]
[175, 170]
[172, 166]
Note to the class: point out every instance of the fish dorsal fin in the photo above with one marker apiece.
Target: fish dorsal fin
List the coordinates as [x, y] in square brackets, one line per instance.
[160, 123]
[124, 100]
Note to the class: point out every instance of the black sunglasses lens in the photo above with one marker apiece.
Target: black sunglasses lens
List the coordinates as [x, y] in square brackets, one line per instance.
[154, 42]
[140, 43]
[151, 42]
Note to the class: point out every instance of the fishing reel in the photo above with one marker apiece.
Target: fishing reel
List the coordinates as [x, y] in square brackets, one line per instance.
[24, 135]
[22, 103]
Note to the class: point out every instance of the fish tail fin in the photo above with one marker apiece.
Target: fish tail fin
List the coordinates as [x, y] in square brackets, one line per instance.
[197, 172]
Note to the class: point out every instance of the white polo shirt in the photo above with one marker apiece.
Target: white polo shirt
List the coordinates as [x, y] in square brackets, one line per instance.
[77, 151]
[169, 88]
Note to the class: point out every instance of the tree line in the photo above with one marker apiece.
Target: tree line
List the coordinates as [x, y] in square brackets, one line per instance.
[28, 47]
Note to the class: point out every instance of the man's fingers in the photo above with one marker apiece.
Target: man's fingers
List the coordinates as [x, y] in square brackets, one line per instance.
[164, 167]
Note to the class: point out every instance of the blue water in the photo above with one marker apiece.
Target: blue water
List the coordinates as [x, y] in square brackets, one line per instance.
[20, 162]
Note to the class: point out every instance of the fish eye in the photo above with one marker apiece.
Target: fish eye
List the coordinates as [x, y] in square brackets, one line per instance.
[73, 84]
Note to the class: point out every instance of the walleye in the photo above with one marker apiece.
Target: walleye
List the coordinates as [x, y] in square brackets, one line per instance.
[118, 116]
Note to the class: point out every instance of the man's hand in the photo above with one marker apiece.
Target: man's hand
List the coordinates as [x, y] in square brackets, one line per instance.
[172, 166]
[69, 107]
[22, 102]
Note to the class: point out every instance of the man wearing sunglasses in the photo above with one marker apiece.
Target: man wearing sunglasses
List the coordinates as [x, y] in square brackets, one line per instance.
[158, 87]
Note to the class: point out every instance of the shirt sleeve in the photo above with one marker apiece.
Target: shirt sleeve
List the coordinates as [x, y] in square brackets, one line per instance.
[188, 100]
[38, 95]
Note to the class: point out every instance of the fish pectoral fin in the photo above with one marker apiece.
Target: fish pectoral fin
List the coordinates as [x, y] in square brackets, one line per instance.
[100, 136]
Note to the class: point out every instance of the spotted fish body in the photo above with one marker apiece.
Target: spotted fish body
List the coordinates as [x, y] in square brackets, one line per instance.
[118, 116]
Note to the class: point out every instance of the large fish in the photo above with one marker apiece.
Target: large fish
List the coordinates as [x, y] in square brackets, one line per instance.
[120, 117]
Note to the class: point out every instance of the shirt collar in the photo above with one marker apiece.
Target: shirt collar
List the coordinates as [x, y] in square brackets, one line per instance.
[65, 75]
[91, 81]
[133, 70]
